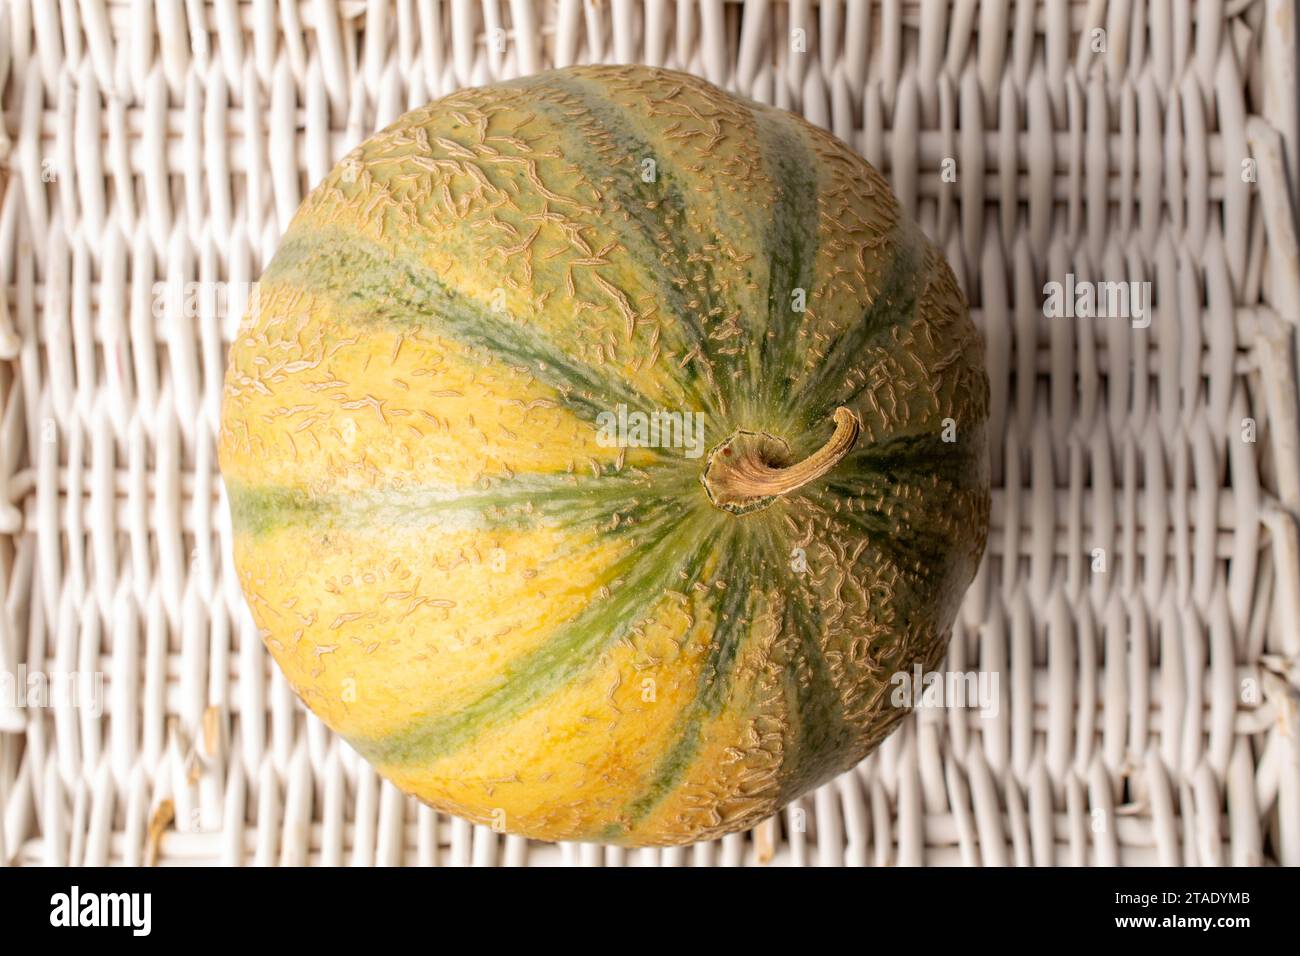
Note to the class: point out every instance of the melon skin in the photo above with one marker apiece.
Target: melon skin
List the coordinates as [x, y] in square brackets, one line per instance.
[518, 623]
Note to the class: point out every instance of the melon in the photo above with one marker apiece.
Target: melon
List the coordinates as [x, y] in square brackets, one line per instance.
[599, 446]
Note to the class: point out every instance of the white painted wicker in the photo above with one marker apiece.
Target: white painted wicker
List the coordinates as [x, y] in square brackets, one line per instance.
[1148, 712]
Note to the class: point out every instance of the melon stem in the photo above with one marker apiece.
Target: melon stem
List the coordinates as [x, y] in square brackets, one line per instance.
[740, 473]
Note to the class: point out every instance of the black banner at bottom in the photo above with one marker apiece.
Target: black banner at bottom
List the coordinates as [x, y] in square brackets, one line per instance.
[220, 906]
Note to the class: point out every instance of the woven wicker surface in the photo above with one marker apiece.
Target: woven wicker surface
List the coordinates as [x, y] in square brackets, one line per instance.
[1147, 712]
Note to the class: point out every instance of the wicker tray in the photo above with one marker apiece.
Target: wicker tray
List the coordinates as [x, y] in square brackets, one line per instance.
[1147, 712]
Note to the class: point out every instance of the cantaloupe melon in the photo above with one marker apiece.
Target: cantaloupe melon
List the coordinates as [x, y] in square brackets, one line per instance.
[473, 517]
